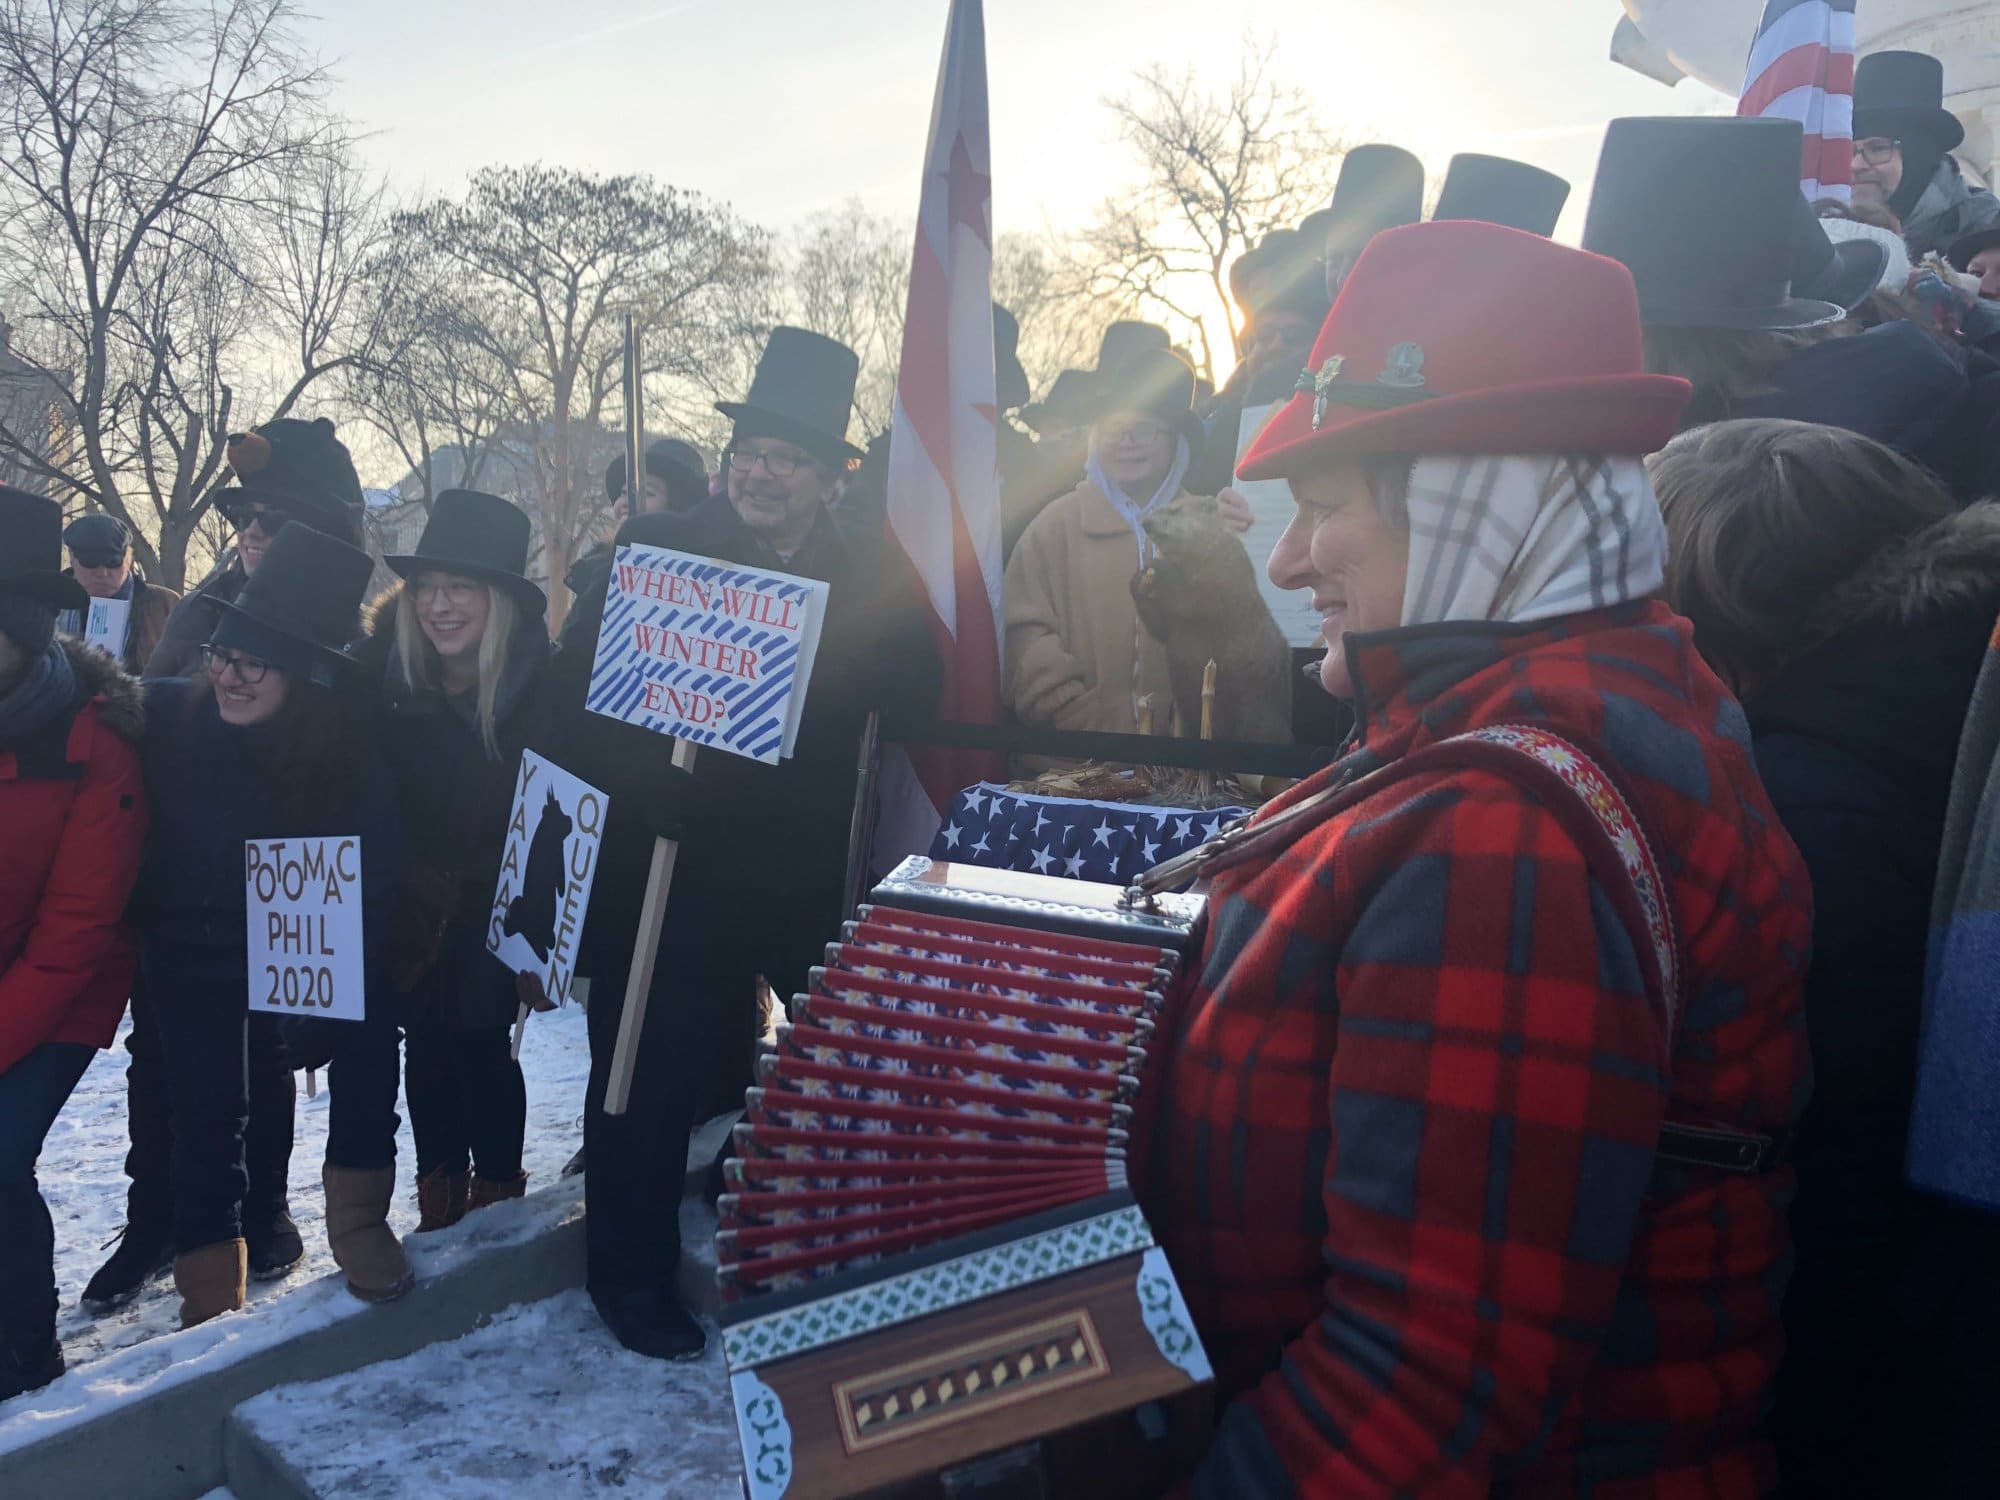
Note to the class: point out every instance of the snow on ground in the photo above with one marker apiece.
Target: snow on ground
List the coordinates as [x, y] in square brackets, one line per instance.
[82, 1172]
[540, 1403]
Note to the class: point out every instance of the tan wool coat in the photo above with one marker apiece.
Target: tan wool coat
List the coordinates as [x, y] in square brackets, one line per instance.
[1077, 656]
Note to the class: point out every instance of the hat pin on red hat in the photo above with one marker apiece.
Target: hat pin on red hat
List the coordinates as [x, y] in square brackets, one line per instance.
[1319, 383]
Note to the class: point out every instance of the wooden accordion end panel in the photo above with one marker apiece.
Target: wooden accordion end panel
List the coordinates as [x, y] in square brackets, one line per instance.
[938, 1282]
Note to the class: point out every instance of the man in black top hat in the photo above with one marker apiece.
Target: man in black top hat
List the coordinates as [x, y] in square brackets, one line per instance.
[758, 886]
[1499, 190]
[1903, 139]
[100, 557]
[1380, 187]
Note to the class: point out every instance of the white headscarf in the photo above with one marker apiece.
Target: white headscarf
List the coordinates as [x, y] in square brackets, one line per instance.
[1134, 513]
[1530, 538]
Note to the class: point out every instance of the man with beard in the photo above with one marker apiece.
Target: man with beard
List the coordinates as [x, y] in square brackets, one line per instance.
[759, 882]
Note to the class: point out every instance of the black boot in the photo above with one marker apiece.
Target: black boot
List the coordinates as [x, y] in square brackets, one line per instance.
[649, 1321]
[273, 1240]
[145, 1251]
[29, 1369]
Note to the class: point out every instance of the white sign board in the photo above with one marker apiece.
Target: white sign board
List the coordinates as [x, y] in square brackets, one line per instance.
[303, 898]
[104, 624]
[1271, 510]
[707, 652]
[554, 834]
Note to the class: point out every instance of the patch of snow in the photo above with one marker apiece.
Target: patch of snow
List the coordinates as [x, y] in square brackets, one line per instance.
[82, 1176]
[541, 1403]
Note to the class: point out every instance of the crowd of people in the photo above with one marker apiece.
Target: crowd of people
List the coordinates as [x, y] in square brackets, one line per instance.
[1533, 1119]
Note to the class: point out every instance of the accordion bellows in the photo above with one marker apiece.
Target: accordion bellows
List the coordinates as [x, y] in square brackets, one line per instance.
[935, 1277]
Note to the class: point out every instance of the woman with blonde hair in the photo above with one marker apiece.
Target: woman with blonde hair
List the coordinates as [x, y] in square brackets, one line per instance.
[458, 656]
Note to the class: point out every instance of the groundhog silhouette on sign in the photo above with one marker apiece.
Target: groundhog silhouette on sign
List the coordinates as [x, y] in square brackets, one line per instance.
[1198, 598]
[532, 914]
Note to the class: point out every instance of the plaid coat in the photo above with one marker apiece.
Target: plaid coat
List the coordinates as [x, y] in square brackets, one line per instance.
[1402, 1157]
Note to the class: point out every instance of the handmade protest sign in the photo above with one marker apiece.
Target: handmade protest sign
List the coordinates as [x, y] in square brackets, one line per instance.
[104, 624]
[554, 833]
[1271, 511]
[303, 900]
[706, 651]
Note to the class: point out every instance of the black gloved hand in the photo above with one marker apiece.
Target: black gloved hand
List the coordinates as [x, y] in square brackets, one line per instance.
[662, 797]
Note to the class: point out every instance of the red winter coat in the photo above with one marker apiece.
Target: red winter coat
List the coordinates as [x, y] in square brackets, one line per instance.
[1404, 1162]
[73, 814]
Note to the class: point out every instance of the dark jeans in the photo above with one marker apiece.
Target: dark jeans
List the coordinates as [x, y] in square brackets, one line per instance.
[32, 1094]
[200, 1004]
[635, 1164]
[468, 1102]
[149, 1162]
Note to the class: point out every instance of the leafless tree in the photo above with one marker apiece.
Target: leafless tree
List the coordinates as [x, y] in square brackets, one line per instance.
[1217, 170]
[534, 269]
[848, 277]
[180, 243]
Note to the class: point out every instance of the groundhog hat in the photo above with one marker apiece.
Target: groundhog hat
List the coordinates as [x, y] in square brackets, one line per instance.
[298, 467]
[1466, 337]
[302, 606]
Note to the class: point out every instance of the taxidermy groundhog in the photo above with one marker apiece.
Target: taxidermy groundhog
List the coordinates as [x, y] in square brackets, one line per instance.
[1198, 598]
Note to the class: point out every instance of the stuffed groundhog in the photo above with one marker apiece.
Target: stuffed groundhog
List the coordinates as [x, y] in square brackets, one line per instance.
[1198, 598]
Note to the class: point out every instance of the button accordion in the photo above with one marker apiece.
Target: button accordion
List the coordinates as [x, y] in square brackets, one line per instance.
[936, 1281]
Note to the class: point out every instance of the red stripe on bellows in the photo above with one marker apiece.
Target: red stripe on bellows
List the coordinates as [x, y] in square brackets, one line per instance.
[1811, 66]
[1829, 159]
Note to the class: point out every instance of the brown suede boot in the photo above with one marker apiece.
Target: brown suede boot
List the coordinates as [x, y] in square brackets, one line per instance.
[485, 1194]
[211, 1280]
[357, 1230]
[442, 1199]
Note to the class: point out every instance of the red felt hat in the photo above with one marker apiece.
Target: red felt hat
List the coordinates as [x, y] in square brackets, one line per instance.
[1466, 337]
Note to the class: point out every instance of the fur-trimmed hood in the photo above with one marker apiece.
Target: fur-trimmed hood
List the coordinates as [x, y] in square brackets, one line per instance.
[1953, 564]
[121, 700]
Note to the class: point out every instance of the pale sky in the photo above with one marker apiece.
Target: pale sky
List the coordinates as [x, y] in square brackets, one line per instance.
[785, 107]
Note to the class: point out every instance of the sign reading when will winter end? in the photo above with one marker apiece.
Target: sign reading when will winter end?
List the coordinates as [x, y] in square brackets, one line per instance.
[710, 654]
[303, 902]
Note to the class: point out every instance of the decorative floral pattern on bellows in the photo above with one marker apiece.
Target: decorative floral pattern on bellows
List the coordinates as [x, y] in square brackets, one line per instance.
[765, 1435]
[952, 1283]
[1597, 793]
[1164, 1312]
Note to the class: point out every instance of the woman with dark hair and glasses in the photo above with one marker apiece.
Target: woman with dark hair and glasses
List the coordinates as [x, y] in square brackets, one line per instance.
[269, 744]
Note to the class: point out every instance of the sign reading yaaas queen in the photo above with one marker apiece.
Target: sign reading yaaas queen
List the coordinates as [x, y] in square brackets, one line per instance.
[706, 651]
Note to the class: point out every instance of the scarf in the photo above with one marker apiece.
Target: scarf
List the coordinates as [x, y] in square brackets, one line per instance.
[1530, 538]
[46, 690]
[1134, 513]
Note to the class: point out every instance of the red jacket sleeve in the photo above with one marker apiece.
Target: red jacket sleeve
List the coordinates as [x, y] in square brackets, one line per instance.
[1498, 1085]
[78, 918]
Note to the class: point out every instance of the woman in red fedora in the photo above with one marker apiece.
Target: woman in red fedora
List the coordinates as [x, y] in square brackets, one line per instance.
[1468, 1133]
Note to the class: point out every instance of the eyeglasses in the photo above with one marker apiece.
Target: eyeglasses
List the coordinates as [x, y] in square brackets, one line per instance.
[1877, 150]
[779, 464]
[219, 660]
[459, 591]
[1134, 432]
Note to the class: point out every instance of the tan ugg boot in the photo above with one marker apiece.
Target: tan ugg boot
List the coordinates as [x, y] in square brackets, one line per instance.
[485, 1194]
[211, 1280]
[357, 1230]
[442, 1198]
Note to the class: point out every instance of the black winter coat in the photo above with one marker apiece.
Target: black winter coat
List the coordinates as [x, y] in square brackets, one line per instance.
[1890, 1379]
[453, 799]
[192, 621]
[758, 887]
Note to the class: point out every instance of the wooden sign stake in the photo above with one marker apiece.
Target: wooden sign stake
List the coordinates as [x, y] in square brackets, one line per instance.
[645, 952]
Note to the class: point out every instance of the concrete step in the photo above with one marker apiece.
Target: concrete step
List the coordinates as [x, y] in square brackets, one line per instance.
[540, 1403]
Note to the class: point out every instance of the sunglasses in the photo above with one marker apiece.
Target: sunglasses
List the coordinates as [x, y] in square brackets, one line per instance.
[98, 559]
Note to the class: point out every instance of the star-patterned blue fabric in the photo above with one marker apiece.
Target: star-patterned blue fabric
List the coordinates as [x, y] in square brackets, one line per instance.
[1110, 842]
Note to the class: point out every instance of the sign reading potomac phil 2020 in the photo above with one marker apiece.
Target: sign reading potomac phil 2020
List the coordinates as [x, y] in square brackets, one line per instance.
[553, 835]
[706, 651]
[303, 897]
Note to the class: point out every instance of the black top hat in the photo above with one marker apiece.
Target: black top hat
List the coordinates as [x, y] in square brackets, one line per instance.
[1498, 190]
[1899, 94]
[1010, 380]
[1703, 211]
[1067, 405]
[803, 392]
[31, 551]
[1380, 187]
[1968, 245]
[1845, 272]
[479, 536]
[1126, 339]
[300, 608]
